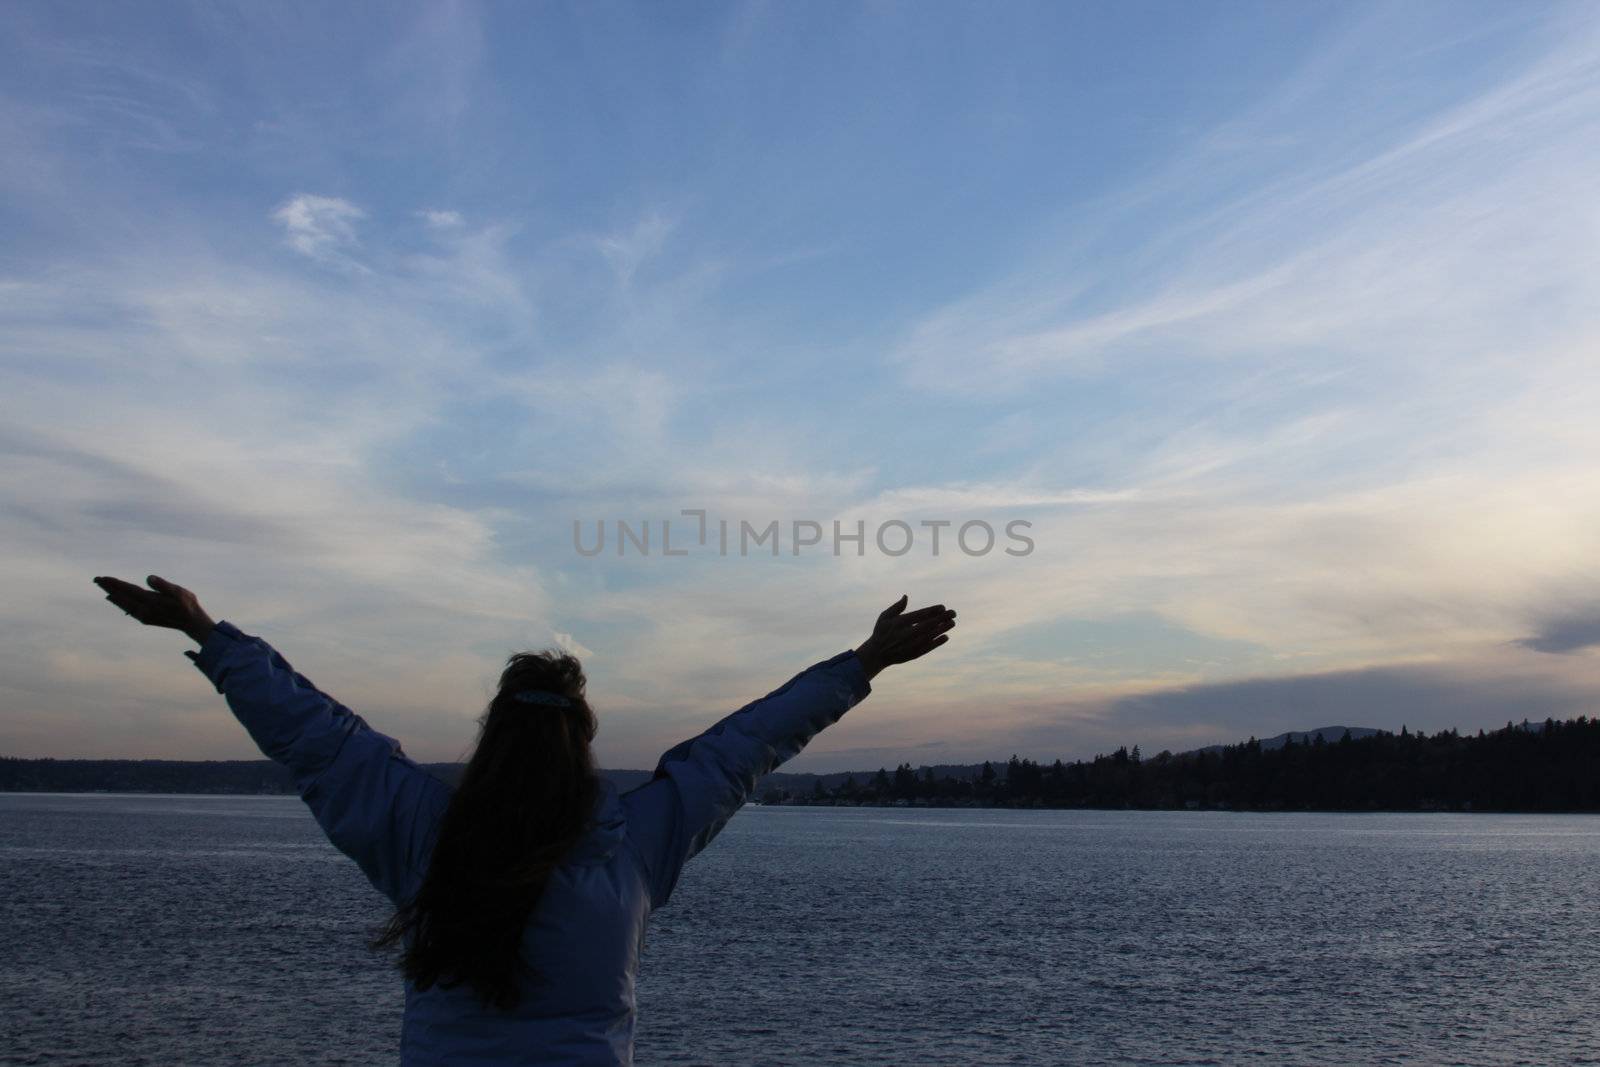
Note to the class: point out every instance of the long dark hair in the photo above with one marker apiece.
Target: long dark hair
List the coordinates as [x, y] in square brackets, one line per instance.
[525, 799]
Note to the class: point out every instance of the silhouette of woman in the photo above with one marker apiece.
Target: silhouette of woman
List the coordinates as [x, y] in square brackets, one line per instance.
[521, 895]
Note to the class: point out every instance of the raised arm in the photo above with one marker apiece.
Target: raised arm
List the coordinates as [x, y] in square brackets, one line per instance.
[700, 783]
[374, 803]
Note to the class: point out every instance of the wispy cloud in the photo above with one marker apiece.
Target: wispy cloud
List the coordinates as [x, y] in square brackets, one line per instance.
[1565, 635]
[441, 220]
[323, 228]
[567, 643]
[1341, 258]
[627, 250]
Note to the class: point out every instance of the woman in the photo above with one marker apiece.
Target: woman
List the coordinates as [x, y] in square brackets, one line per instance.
[521, 895]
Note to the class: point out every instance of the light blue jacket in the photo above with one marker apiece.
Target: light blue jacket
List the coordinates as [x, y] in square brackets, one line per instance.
[379, 808]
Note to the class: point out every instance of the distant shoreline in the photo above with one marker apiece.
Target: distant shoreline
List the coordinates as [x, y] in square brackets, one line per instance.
[1550, 767]
[890, 805]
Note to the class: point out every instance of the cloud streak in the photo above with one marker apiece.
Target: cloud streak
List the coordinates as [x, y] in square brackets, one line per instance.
[322, 228]
[1567, 635]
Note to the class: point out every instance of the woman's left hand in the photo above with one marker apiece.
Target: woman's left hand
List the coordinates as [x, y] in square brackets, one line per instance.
[171, 606]
[901, 636]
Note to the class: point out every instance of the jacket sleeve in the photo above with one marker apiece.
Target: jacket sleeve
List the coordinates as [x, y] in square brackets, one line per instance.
[372, 801]
[700, 783]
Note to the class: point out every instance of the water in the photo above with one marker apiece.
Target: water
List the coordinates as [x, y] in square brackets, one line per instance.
[143, 929]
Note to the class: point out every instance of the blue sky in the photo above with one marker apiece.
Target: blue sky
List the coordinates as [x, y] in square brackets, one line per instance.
[1279, 323]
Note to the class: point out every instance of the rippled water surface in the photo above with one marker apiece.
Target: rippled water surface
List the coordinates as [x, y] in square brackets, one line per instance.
[163, 929]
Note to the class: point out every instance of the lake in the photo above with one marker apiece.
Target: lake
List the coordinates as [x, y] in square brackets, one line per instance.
[184, 929]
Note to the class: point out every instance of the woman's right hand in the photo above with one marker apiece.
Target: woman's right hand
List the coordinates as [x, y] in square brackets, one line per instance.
[901, 636]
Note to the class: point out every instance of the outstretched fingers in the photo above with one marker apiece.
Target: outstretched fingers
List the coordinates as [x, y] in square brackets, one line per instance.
[921, 648]
[936, 628]
[124, 595]
[919, 636]
[164, 604]
[900, 636]
[930, 620]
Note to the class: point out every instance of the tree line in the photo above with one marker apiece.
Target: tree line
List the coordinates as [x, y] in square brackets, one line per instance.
[1549, 766]
[1553, 766]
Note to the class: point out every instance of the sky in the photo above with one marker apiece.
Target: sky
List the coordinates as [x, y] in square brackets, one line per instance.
[1272, 329]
